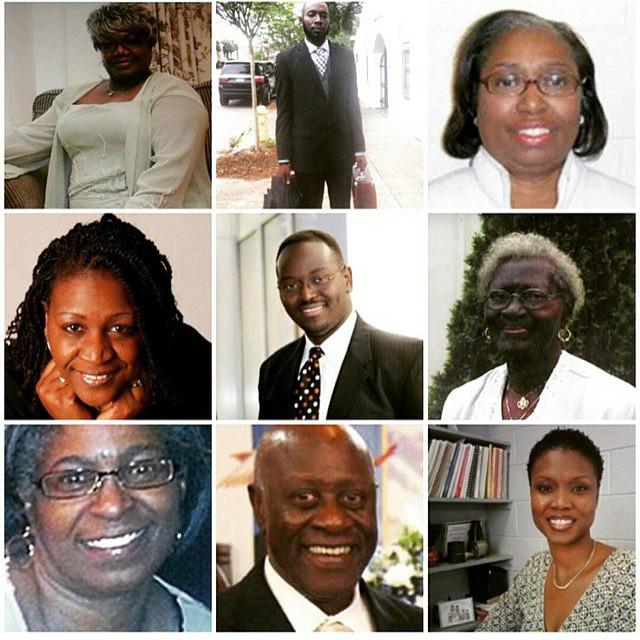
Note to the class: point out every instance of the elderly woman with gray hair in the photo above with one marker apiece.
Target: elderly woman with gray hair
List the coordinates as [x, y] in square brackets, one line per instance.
[532, 291]
[135, 140]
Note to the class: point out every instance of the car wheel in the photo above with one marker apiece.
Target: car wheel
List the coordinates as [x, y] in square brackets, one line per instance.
[224, 101]
[265, 96]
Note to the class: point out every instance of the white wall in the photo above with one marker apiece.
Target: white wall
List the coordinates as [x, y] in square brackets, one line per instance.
[615, 517]
[185, 238]
[450, 237]
[47, 46]
[234, 518]
[606, 26]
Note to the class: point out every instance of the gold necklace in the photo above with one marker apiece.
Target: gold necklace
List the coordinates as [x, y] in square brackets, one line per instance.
[584, 566]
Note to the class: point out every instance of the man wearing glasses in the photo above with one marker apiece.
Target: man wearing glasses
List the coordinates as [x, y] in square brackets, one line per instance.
[342, 367]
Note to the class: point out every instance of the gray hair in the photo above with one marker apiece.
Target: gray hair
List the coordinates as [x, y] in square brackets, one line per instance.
[108, 22]
[524, 246]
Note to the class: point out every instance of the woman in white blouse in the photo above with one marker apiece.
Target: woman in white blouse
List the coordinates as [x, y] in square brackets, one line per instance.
[526, 113]
[135, 140]
[532, 291]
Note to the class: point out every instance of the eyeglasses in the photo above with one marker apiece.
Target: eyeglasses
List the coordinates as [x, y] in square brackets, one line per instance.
[498, 299]
[75, 483]
[110, 46]
[555, 84]
[291, 287]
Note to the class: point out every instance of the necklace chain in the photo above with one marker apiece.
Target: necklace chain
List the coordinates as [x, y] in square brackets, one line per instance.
[562, 587]
[523, 403]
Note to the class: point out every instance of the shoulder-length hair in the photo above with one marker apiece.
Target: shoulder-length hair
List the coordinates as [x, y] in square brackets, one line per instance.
[461, 138]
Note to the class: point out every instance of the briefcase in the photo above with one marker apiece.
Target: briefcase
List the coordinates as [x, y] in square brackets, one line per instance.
[364, 191]
[281, 195]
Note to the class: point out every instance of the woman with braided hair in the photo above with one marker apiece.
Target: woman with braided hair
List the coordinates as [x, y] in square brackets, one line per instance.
[99, 335]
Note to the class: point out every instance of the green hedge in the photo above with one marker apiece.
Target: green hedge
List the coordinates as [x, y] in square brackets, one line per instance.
[603, 246]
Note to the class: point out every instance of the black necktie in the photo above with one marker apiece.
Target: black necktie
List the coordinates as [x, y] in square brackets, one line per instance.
[306, 402]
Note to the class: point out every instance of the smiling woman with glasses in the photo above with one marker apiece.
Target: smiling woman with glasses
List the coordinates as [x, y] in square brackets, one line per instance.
[532, 291]
[92, 514]
[135, 140]
[526, 112]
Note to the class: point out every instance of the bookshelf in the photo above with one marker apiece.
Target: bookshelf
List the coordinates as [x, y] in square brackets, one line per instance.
[451, 581]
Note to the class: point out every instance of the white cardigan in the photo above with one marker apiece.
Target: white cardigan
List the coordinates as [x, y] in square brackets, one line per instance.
[575, 390]
[485, 185]
[165, 165]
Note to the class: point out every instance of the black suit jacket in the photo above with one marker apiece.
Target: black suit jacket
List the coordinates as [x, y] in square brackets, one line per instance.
[318, 134]
[251, 606]
[380, 377]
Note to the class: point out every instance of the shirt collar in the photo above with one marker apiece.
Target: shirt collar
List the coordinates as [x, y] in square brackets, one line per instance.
[494, 179]
[304, 615]
[336, 345]
[312, 47]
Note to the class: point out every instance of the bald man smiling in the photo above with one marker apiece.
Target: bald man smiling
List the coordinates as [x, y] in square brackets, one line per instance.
[314, 497]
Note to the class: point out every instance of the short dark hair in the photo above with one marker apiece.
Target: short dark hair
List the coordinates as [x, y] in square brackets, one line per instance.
[105, 23]
[570, 440]
[461, 138]
[311, 235]
[116, 247]
[185, 444]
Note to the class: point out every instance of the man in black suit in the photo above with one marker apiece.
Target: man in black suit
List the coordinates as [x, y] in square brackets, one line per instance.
[319, 125]
[314, 497]
[363, 372]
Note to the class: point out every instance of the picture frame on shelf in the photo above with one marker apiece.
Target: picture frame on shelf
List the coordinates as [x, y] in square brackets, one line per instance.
[454, 532]
[455, 612]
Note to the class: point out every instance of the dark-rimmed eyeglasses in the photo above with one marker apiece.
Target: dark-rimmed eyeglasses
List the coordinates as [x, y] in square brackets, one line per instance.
[75, 483]
[291, 287]
[554, 84]
[128, 42]
[498, 299]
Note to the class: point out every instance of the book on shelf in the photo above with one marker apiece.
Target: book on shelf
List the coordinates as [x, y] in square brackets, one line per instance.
[466, 470]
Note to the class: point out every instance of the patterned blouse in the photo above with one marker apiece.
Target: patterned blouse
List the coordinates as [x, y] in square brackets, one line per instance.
[608, 603]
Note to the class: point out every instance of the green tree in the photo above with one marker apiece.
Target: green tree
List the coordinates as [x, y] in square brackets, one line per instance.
[248, 17]
[603, 247]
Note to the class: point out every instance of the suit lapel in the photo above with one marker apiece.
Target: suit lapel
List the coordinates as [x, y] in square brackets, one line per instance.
[355, 369]
[310, 68]
[261, 611]
[383, 618]
[285, 379]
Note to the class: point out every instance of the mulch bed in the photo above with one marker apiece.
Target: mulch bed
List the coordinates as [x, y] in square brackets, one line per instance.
[247, 164]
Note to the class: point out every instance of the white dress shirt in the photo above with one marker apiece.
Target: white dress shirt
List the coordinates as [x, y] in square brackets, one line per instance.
[312, 49]
[575, 390]
[485, 184]
[335, 349]
[305, 616]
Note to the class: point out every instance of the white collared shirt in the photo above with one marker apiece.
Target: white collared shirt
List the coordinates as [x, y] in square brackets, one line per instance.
[305, 616]
[312, 48]
[335, 349]
[486, 184]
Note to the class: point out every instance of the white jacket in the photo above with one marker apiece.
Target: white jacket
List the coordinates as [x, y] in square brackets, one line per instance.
[575, 390]
[485, 185]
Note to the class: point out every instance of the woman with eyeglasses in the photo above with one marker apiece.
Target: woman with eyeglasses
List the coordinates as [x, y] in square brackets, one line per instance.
[135, 140]
[93, 516]
[580, 583]
[532, 291]
[527, 114]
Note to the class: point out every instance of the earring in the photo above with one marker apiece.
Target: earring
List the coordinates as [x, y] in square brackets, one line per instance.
[581, 119]
[178, 536]
[486, 334]
[48, 343]
[564, 335]
[475, 120]
[20, 549]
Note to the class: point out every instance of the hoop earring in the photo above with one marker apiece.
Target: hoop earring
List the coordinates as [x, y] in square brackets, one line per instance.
[486, 334]
[475, 121]
[20, 549]
[564, 335]
[581, 119]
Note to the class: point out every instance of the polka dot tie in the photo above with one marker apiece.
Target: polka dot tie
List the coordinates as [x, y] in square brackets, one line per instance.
[320, 60]
[306, 403]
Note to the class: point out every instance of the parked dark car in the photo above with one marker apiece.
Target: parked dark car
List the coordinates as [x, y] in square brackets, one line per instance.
[234, 81]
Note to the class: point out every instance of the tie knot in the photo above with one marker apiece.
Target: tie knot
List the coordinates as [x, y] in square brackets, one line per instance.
[315, 353]
[333, 626]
